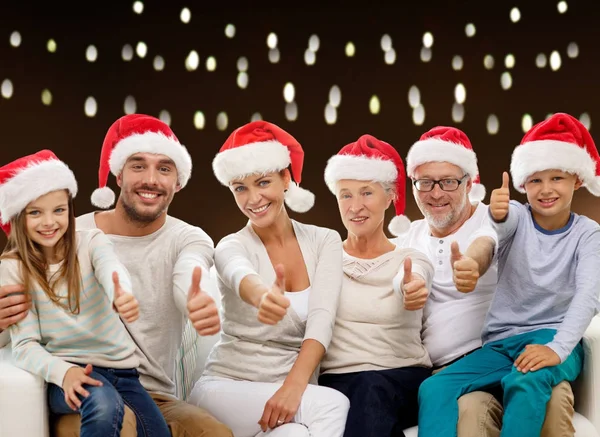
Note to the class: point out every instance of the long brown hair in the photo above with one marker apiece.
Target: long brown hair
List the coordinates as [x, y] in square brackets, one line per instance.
[34, 266]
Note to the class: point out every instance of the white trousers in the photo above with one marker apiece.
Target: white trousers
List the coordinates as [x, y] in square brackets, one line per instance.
[240, 405]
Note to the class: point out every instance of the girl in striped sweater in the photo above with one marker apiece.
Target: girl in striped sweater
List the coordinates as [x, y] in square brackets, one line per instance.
[72, 336]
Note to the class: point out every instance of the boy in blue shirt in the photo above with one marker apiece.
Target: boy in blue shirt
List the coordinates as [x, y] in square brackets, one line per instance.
[548, 286]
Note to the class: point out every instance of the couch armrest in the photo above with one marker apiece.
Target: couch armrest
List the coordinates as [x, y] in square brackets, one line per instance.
[23, 406]
[587, 386]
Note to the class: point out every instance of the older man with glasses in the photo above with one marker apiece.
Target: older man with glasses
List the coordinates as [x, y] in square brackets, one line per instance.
[456, 234]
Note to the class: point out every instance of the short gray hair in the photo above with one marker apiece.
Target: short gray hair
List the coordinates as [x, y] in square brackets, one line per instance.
[389, 188]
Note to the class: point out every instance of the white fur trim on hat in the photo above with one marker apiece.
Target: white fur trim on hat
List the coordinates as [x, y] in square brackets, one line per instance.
[299, 199]
[152, 142]
[477, 193]
[399, 225]
[435, 150]
[103, 197]
[362, 168]
[541, 155]
[32, 182]
[254, 158]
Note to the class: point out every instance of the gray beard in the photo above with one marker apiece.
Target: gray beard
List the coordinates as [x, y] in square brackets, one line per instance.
[446, 221]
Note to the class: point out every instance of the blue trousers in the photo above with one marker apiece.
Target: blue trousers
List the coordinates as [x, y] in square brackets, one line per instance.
[382, 402]
[102, 411]
[525, 394]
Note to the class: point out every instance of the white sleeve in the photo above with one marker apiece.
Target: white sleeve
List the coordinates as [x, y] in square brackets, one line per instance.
[105, 261]
[232, 262]
[196, 249]
[325, 290]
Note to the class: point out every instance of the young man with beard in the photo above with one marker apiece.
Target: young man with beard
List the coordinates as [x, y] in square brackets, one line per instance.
[443, 168]
[168, 260]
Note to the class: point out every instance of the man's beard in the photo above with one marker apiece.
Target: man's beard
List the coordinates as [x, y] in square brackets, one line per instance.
[447, 220]
[144, 219]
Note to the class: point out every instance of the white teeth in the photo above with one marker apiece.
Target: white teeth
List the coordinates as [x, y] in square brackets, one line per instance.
[358, 219]
[261, 209]
[48, 232]
[148, 195]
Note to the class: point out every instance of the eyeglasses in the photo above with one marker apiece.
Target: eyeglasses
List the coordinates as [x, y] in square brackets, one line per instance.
[426, 185]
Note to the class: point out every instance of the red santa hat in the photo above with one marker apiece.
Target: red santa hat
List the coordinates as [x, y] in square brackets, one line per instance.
[369, 159]
[261, 147]
[559, 143]
[24, 180]
[137, 133]
[447, 144]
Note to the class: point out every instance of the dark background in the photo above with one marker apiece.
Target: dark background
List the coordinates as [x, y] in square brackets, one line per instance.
[27, 125]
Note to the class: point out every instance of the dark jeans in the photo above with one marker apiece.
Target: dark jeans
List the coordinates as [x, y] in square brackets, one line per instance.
[382, 402]
[102, 411]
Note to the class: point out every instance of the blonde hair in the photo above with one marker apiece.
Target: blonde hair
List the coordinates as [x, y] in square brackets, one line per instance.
[34, 266]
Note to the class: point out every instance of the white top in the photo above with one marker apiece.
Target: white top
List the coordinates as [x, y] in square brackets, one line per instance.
[299, 302]
[452, 321]
[250, 350]
[372, 330]
[50, 337]
[161, 265]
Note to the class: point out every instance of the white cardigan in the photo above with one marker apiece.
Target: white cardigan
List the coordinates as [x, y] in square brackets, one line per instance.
[249, 350]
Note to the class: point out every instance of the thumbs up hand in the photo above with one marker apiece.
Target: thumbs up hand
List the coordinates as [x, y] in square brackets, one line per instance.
[125, 303]
[465, 270]
[203, 312]
[413, 287]
[499, 200]
[273, 304]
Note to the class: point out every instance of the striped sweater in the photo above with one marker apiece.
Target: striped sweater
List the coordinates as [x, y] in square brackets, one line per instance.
[50, 339]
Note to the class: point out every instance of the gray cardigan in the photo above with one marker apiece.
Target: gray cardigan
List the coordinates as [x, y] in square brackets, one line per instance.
[249, 350]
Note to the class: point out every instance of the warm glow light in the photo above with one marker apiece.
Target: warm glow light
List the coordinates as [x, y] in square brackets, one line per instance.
[230, 31]
[289, 92]
[199, 120]
[515, 15]
[374, 105]
[141, 49]
[222, 121]
[91, 53]
[159, 63]
[51, 46]
[350, 49]
[138, 7]
[6, 89]
[90, 107]
[46, 97]
[335, 96]
[15, 39]
[414, 96]
[526, 122]
[165, 117]
[470, 30]
[427, 39]
[493, 124]
[130, 106]
[272, 40]
[460, 93]
[185, 16]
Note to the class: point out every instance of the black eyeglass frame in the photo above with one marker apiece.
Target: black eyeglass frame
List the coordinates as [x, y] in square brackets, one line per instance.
[438, 182]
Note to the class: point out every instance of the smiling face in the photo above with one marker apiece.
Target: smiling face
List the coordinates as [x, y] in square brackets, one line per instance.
[261, 197]
[443, 209]
[148, 184]
[47, 220]
[362, 206]
[550, 192]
